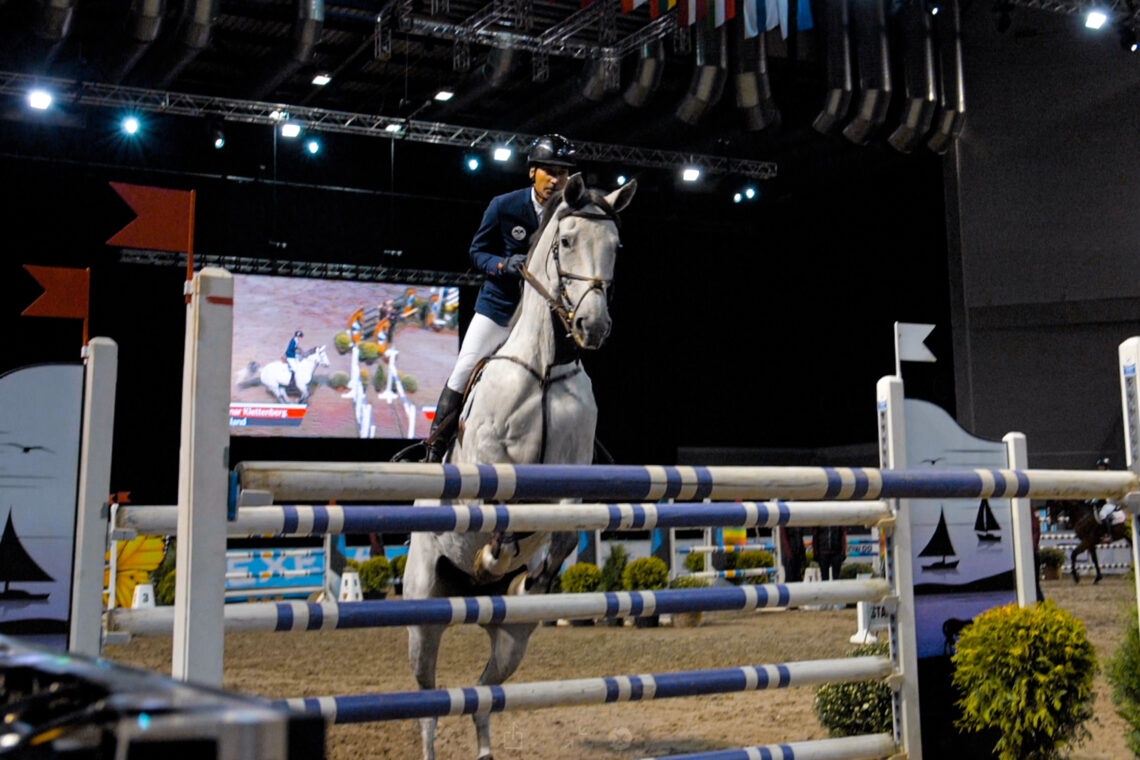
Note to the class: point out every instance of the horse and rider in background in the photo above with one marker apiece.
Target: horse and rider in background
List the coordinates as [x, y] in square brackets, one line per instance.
[1094, 522]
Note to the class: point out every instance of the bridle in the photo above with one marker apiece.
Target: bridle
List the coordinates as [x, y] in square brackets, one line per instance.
[561, 305]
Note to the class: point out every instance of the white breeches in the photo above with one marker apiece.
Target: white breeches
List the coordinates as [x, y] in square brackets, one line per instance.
[483, 337]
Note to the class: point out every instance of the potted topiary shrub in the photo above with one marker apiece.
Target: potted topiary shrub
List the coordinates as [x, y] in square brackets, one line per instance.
[1124, 675]
[581, 578]
[752, 560]
[374, 576]
[1026, 672]
[645, 574]
[1052, 560]
[398, 563]
[858, 707]
[612, 570]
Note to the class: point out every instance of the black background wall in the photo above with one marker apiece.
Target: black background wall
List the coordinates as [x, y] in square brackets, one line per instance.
[761, 325]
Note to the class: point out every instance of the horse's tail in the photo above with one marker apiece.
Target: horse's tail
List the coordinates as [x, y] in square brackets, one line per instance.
[248, 377]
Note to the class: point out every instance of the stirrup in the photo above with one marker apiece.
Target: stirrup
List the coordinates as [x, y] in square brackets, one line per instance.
[416, 452]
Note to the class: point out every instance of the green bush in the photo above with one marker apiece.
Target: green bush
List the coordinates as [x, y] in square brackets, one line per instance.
[164, 591]
[374, 575]
[613, 568]
[645, 574]
[411, 384]
[1027, 672]
[342, 342]
[1051, 556]
[581, 578]
[688, 581]
[858, 707]
[754, 559]
[364, 377]
[159, 575]
[851, 570]
[338, 380]
[695, 563]
[369, 352]
[380, 379]
[399, 562]
[1124, 675]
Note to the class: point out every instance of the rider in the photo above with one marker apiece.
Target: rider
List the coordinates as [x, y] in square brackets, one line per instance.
[293, 355]
[1106, 508]
[499, 250]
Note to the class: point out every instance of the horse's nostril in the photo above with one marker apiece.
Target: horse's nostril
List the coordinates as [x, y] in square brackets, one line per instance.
[579, 323]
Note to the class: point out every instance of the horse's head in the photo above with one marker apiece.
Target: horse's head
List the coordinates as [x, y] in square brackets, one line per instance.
[583, 235]
[321, 356]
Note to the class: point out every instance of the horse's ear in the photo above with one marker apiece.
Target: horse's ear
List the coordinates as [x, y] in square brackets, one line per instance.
[575, 192]
[621, 197]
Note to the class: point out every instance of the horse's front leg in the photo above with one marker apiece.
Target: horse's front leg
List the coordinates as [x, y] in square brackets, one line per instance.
[423, 653]
[562, 544]
[1096, 565]
[1073, 564]
[508, 645]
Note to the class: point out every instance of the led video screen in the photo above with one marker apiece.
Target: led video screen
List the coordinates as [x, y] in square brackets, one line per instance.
[339, 359]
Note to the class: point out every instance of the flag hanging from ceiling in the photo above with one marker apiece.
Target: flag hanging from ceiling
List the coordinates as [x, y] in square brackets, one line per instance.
[659, 7]
[626, 5]
[687, 12]
[762, 15]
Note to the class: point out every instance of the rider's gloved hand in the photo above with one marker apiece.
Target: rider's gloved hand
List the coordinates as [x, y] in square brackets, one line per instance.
[514, 264]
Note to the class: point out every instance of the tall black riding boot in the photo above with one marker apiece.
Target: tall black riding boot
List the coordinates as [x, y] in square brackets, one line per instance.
[444, 425]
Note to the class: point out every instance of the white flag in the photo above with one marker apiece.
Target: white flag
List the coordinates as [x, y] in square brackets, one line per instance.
[909, 338]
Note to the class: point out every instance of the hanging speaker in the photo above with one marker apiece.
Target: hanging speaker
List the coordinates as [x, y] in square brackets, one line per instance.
[753, 89]
[918, 79]
[707, 84]
[874, 71]
[838, 62]
[951, 114]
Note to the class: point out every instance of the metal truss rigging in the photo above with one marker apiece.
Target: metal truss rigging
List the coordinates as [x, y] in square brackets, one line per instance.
[321, 120]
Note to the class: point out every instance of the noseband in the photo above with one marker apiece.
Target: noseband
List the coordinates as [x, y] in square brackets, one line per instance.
[561, 305]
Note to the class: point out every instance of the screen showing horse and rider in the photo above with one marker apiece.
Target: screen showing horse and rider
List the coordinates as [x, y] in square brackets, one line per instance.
[339, 359]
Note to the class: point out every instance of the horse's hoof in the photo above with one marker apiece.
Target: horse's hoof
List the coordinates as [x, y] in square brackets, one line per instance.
[1096, 580]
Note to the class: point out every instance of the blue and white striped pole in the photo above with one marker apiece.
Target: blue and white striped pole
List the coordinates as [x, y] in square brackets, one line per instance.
[868, 747]
[367, 481]
[475, 700]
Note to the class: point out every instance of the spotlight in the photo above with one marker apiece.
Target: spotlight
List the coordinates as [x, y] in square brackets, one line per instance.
[691, 174]
[278, 115]
[444, 95]
[130, 125]
[313, 146]
[290, 129]
[320, 80]
[502, 154]
[1128, 39]
[749, 192]
[737, 198]
[393, 128]
[39, 100]
[621, 180]
[471, 163]
[219, 138]
[1096, 19]
[934, 9]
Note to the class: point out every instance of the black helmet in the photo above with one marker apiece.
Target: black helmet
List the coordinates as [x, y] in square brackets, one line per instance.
[552, 150]
[1102, 462]
[298, 334]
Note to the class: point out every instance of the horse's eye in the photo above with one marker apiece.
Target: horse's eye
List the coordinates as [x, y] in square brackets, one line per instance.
[565, 241]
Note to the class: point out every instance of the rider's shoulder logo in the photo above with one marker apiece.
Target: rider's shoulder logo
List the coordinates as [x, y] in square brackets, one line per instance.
[518, 233]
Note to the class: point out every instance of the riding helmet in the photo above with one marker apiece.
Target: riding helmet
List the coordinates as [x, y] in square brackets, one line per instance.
[551, 150]
[1102, 462]
[298, 334]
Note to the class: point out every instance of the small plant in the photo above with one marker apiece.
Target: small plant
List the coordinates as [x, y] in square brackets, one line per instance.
[688, 581]
[1124, 675]
[411, 384]
[1028, 672]
[163, 576]
[858, 707]
[398, 563]
[1051, 556]
[645, 574]
[380, 379]
[338, 380]
[581, 578]
[754, 559]
[164, 591]
[613, 568]
[369, 352]
[374, 575]
[694, 562]
[364, 377]
[852, 570]
[342, 342]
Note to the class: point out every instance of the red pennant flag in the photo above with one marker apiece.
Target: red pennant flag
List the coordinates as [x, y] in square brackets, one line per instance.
[165, 219]
[66, 294]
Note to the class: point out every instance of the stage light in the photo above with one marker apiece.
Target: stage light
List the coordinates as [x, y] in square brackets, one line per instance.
[393, 128]
[39, 100]
[1128, 39]
[737, 198]
[502, 154]
[219, 138]
[313, 146]
[934, 10]
[320, 80]
[471, 163]
[290, 129]
[749, 192]
[691, 174]
[130, 125]
[1096, 19]
[621, 180]
[444, 95]
[278, 115]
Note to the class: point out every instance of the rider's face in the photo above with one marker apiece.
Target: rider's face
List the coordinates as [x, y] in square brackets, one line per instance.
[547, 179]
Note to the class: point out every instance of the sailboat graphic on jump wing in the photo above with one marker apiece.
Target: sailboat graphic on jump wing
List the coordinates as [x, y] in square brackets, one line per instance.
[16, 565]
[986, 524]
[939, 546]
